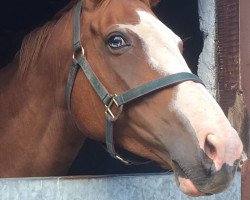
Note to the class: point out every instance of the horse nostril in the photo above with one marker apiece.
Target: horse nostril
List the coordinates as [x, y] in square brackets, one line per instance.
[210, 148]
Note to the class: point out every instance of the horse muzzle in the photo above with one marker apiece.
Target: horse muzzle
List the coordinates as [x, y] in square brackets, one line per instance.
[205, 182]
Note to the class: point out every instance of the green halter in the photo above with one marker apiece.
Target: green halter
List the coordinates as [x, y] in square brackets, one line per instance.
[112, 101]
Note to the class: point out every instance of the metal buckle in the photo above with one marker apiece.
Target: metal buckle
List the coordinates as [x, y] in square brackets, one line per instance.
[79, 51]
[122, 160]
[109, 107]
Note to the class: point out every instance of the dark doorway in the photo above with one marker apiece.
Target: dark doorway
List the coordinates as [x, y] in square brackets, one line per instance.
[17, 18]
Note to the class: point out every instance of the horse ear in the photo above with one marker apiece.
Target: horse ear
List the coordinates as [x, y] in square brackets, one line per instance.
[91, 4]
[154, 2]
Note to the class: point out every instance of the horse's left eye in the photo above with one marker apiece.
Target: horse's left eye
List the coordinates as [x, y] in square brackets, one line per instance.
[117, 41]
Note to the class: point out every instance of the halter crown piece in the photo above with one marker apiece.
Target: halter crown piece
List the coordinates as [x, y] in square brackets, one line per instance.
[113, 102]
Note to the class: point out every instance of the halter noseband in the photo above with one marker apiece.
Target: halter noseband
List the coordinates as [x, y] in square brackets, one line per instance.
[111, 101]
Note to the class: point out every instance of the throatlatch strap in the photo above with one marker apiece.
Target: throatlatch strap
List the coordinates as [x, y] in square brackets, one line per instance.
[76, 33]
[70, 83]
[82, 62]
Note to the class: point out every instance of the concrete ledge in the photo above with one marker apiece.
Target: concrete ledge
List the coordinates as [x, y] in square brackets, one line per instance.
[122, 187]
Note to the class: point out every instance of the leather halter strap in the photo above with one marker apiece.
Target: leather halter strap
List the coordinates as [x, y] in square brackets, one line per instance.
[114, 102]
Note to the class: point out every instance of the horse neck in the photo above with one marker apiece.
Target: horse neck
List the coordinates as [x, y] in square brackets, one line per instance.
[37, 132]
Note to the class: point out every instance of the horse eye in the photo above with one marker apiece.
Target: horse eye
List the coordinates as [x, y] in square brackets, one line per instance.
[117, 41]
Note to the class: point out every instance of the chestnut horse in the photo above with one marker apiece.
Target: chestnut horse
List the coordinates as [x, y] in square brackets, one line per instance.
[120, 47]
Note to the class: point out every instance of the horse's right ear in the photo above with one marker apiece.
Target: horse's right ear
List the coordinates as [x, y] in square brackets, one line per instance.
[91, 4]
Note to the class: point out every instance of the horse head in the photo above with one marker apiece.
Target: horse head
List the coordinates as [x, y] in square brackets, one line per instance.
[180, 127]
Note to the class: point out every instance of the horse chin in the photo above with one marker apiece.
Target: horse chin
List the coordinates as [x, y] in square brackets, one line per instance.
[184, 183]
[188, 188]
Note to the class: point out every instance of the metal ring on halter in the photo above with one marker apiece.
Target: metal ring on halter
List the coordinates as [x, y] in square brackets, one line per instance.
[79, 51]
[126, 162]
[109, 106]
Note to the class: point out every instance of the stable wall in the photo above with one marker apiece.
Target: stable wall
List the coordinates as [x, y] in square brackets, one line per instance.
[143, 187]
[207, 69]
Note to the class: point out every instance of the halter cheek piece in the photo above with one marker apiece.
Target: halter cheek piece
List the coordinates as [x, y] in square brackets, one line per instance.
[113, 102]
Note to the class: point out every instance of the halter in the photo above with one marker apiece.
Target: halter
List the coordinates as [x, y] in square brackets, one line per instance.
[113, 102]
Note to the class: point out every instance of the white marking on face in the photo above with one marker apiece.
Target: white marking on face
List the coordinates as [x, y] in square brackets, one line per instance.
[161, 46]
[160, 43]
[192, 103]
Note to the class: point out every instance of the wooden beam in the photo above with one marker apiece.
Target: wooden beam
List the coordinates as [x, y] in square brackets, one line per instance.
[245, 52]
[245, 181]
[234, 72]
[244, 30]
[228, 52]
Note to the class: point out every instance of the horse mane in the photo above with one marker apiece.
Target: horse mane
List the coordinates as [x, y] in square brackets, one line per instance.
[34, 43]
